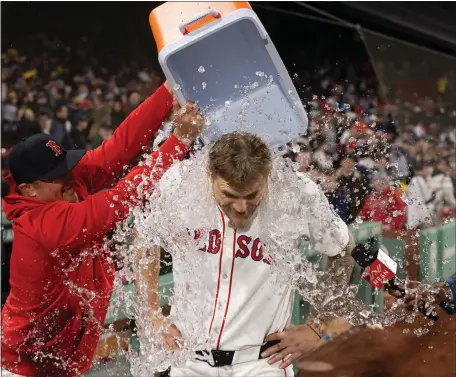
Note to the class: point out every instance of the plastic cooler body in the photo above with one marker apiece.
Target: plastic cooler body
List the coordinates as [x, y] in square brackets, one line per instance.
[231, 68]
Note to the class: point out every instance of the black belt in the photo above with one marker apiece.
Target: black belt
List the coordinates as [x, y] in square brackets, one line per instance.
[225, 358]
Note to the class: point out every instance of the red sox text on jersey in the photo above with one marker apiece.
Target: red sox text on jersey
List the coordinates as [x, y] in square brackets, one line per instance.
[246, 246]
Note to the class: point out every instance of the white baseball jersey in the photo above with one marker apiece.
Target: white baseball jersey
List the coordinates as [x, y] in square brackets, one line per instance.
[244, 301]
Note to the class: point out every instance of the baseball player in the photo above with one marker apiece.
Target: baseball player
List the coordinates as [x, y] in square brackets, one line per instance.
[246, 324]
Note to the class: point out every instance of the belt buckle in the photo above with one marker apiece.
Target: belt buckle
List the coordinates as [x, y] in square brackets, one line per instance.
[207, 357]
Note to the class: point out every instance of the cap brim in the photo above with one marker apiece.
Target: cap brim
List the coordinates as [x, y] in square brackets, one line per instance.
[72, 158]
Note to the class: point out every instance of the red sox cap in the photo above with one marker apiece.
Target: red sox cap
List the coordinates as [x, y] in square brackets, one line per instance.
[39, 158]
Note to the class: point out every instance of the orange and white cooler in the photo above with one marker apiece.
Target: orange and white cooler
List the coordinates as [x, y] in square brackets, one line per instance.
[219, 55]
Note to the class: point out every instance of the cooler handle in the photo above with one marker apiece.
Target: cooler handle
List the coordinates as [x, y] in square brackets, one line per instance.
[184, 27]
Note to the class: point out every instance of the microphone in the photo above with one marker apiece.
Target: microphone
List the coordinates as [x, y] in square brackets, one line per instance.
[379, 269]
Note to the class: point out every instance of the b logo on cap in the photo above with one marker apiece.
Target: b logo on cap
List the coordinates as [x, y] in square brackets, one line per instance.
[53, 145]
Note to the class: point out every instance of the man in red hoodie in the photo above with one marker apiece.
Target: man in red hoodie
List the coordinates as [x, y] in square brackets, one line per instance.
[61, 277]
[385, 204]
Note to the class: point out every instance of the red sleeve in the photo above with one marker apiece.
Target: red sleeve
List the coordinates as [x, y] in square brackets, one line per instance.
[103, 163]
[88, 220]
[398, 205]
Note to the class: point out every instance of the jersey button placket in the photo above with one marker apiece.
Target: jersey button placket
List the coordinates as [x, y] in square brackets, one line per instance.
[224, 282]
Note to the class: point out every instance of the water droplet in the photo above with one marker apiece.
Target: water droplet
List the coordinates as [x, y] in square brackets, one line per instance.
[201, 69]
[203, 84]
[259, 73]
[177, 87]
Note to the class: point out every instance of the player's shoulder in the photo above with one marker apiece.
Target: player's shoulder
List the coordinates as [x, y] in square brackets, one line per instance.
[172, 176]
[307, 185]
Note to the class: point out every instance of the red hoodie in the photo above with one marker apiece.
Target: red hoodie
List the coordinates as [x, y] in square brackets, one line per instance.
[387, 205]
[61, 280]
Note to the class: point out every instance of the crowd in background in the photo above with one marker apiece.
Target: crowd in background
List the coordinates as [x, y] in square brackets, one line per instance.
[67, 93]
[371, 166]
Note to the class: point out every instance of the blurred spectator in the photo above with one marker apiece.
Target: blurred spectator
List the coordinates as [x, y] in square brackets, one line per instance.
[420, 209]
[384, 204]
[45, 120]
[319, 155]
[9, 108]
[303, 159]
[398, 159]
[133, 101]
[42, 102]
[104, 133]
[118, 115]
[336, 194]
[354, 183]
[442, 187]
[77, 138]
[74, 109]
[27, 124]
[60, 125]
[432, 186]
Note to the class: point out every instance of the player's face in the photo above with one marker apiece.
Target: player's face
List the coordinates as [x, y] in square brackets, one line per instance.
[52, 190]
[239, 204]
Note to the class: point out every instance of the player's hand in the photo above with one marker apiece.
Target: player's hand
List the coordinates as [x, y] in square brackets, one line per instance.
[422, 294]
[188, 123]
[294, 342]
[409, 299]
[172, 337]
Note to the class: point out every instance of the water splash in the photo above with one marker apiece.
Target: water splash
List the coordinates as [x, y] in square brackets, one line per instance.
[186, 204]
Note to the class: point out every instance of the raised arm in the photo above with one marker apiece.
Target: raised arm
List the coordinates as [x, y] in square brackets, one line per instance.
[105, 162]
